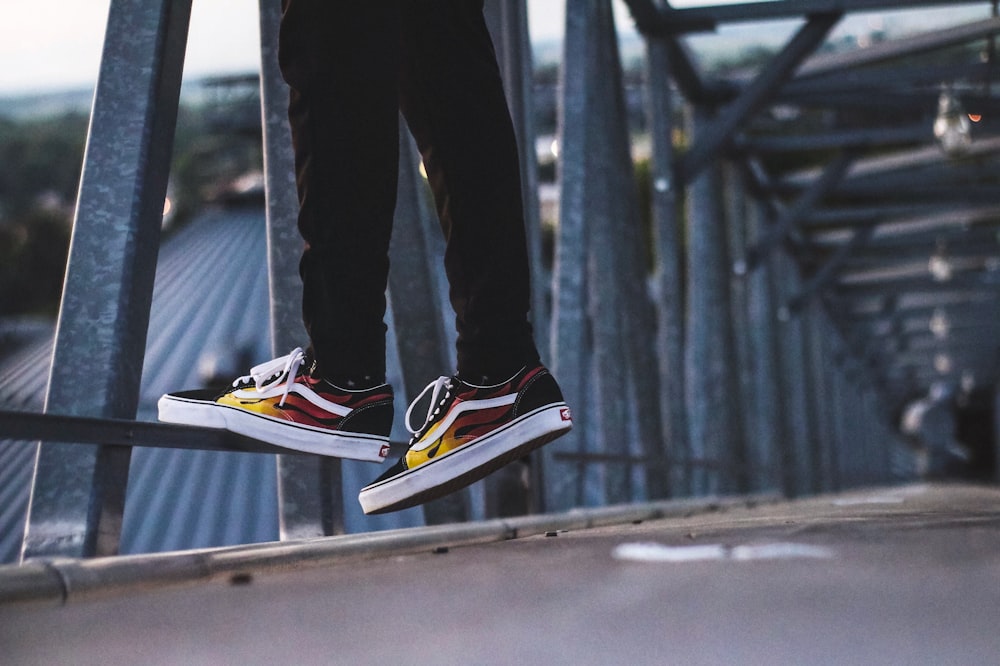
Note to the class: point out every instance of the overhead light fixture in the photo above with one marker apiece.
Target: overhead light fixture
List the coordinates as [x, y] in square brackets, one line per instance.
[939, 265]
[942, 363]
[951, 126]
[968, 381]
[939, 324]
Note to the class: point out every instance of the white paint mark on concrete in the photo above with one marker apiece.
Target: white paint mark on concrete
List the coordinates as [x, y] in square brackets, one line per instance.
[893, 496]
[656, 552]
[780, 551]
[870, 499]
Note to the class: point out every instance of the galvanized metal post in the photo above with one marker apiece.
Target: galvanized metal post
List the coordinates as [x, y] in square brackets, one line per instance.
[836, 369]
[744, 415]
[622, 225]
[78, 492]
[309, 488]
[710, 356]
[868, 473]
[819, 393]
[669, 267]
[610, 373]
[570, 337]
[600, 273]
[767, 439]
[996, 434]
[839, 413]
[797, 471]
[858, 462]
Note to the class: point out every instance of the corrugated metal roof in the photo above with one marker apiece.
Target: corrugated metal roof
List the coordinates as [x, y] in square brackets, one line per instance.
[210, 307]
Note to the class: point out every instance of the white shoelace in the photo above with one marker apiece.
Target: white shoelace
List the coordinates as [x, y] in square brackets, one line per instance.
[269, 374]
[438, 385]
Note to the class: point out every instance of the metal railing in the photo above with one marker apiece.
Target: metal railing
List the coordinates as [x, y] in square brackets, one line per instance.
[697, 384]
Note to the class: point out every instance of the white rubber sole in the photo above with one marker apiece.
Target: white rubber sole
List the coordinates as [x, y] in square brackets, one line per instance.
[295, 436]
[467, 464]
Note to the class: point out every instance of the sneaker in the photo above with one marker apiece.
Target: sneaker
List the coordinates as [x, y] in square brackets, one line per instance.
[469, 431]
[280, 402]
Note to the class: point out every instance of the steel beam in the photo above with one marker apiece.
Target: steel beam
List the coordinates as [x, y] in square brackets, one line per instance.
[736, 204]
[310, 501]
[898, 48]
[709, 353]
[768, 400]
[570, 328]
[82, 430]
[828, 272]
[710, 141]
[669, 263]
[78, 492]
[798, 211]
[699, 19]
[832, 140]
[909, 159]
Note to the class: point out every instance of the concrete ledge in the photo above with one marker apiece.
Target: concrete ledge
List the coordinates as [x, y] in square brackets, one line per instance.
[60, 580]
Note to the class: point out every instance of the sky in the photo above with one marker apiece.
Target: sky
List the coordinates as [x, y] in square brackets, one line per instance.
[48, 45]
[56, 44]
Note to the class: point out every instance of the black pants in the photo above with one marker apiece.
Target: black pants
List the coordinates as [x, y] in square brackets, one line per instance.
[352, 66]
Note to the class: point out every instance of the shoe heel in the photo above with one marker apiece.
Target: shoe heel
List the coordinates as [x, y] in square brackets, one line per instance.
[540, 391]
[374, 419]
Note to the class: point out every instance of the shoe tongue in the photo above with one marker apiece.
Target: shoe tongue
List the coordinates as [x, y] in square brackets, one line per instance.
[309, 364]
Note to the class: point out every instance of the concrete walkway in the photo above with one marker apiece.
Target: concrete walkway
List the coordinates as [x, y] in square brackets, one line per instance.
[905, 575]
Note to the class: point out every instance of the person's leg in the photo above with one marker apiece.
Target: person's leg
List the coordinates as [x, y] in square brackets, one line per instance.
[341, 61]
[452, 97]
[502, 404]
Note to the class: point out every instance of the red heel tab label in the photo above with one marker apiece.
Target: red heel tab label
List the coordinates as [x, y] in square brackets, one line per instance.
[384, 451]
[565, 414]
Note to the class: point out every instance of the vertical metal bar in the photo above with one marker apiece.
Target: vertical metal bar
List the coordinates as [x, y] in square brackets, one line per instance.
[768, 437]
[839, 414]
[669, 267]
[819, 393]
[78, 492]
[309, 488]
[742, 370]
[868, 449]
[800, 355]
[795, 451]
[996, 434]
[860, 461]
[709, 357]
[851, 441]
[710, 140]
[625, 238]
[605, 250]
[600, 221]
[570, 336]
[833, 416]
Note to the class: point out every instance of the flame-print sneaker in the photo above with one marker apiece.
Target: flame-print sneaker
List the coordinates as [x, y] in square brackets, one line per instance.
[280, 402]
[469, 432]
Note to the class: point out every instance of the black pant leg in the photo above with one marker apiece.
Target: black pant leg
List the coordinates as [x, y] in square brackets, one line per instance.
[341, 61]
[451, 94]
